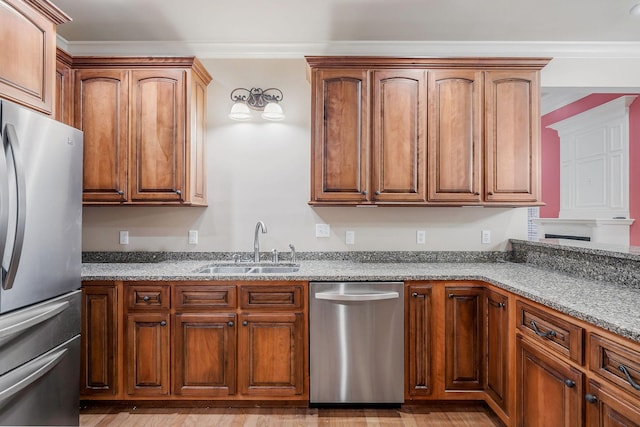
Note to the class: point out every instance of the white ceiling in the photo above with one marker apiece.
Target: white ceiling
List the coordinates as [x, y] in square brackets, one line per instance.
[327, 26]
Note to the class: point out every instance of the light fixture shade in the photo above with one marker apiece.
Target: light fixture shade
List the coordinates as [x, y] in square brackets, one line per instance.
[273, 111]
[240, 112]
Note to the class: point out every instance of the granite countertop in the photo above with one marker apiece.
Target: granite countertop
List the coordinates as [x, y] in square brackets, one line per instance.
[609, 305]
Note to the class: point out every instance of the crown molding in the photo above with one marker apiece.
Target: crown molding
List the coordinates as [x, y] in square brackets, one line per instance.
[373, 48]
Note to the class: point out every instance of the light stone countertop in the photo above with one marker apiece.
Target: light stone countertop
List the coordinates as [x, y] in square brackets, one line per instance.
[609, 305]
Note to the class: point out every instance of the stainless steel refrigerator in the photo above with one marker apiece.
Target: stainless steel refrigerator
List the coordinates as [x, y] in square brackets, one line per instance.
[40, 251]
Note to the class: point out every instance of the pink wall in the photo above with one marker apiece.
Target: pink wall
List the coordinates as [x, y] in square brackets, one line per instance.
[550, 152]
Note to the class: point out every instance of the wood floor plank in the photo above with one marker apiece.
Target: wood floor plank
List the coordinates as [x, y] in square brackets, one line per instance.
[407, 416]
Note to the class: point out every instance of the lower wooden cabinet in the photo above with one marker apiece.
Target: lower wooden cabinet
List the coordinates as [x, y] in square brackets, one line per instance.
[610, 409]
[204, 348]
[463, 338]
[497, 335]
[99, 341]
[187, 341]
[271, 354]
[549, 391]
[419, 343]
[147, 354]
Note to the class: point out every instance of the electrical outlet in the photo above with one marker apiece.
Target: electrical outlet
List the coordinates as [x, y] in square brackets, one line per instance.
[486, 237]
[193, 237]
[350, 237]
[124, 237]
[421, 237]
[323, 230]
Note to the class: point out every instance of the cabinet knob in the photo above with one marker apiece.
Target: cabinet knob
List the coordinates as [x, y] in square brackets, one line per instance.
[163, 323]
[451, 295]
[364, 192]
[120, 192]
[501, 305]
[490, 193]
[570, 383]
[178, 192]
[146, 298]
[590, 398]
[245, 323]
[476, 194]
[377, 193]
[415, 295]
[230, 323]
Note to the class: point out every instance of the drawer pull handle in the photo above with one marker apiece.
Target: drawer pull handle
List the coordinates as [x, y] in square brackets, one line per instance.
[146, 298]
[163, 323]
[590, 398]
[230, 323]
[549, 334]
[570, 383]
[630, 380]
[498, 304]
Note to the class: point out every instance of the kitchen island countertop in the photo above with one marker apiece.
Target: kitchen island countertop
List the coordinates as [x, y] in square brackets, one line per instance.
[609, 305]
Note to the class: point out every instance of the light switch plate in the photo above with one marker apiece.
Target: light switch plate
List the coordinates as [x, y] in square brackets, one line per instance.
[124, 237]
[323, 230]
[421, 237]
[193, 237]
[486, 237]
[350, 237]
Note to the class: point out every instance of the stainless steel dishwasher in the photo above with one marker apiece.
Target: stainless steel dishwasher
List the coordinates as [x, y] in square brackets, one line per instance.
[356, 332]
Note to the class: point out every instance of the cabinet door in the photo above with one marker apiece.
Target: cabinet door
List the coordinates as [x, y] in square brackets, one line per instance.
[455, 135]
[340, 146]
[497, 333]
[204, 354]
[63, 106]
[399, 136]
[157, 135]
[463, 338]
[147, 354]
[419, 338]
[549, 392]
[271, 355]
[27, 55]
[512, 141]
[99, 341]
[610, 409]
[101, 112]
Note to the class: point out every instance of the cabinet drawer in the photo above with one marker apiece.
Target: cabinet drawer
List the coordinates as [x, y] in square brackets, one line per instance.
[615, 363]
[199, 297]
[147, 297]
[285, 296]
[551, 332]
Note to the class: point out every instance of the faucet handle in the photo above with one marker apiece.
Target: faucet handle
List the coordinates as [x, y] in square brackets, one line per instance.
[293, 252]
[274, 255]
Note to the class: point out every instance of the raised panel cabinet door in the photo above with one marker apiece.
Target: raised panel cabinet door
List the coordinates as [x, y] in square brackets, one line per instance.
[399, 136]
[549, 392]
[271, 355]
[157, 172]
[497, 333]
[419, 347]
[27, 55]
[463, 338]
[99, 341]
[63, 100]
[147, 355]
[610, 409]
[340, 145]
[204, 354]
[455, 135]
[512, 139]
[102, 113]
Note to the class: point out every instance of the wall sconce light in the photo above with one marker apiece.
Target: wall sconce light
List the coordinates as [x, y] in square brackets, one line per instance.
[266, 100]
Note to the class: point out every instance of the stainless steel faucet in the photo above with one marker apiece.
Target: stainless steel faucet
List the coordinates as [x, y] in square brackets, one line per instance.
[256, 241]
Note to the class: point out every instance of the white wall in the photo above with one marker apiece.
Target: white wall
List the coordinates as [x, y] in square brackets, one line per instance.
[260, 171]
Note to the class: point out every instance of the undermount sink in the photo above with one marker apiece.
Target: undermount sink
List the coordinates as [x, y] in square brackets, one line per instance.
[248, 269]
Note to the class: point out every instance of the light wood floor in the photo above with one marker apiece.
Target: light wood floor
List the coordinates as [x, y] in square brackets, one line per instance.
[442, 416]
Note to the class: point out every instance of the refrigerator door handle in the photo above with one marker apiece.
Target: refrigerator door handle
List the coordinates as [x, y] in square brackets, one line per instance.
[29, 319]
[4, 196]
[22, 377]
[9, 272]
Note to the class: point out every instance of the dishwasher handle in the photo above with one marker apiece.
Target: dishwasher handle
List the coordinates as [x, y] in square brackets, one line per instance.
[374, 296]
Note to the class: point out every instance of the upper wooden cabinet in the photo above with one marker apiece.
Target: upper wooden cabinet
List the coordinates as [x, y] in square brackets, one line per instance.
[28, 52]
[425, 131]
[144, 129]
